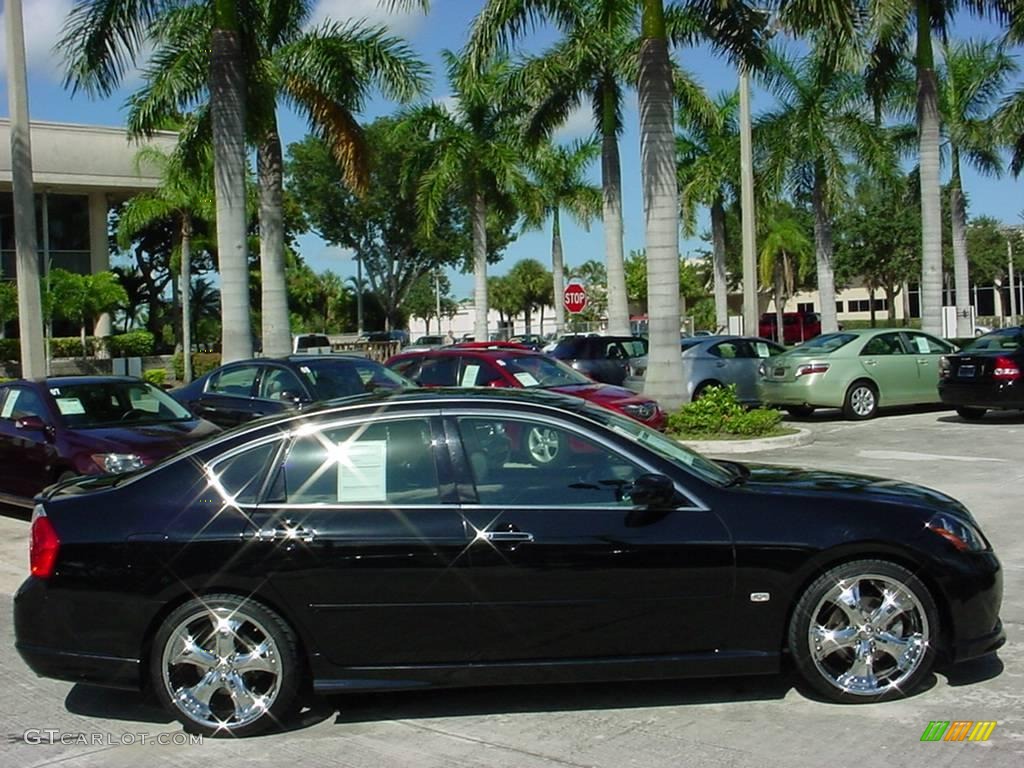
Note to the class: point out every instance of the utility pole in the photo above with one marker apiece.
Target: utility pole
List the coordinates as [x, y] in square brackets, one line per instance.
[749, 222]
[359, 294]
[437, 298]
[30, 307]
[1013, 291]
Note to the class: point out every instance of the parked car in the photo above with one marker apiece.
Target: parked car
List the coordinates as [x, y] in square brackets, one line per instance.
[715, 361]
[858, 371]
[797, 327]
[56, 428]
[518, 368]
[602, 358]
[532, 340]
[427, 342]
[395, 541]
[245, 390]
[311, 344]
[985, 375]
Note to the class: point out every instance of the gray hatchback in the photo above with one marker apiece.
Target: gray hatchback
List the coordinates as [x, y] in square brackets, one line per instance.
[714, 361]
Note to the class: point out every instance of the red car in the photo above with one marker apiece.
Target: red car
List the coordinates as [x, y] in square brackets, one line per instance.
[520, 368]
[797, 327]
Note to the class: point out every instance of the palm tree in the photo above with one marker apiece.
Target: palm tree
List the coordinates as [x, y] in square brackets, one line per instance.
[784, 259]
[891, 26]
[973, 78]
[559, 184]
[822, 118]
[325, 72]
[183, 196]
[470, 151]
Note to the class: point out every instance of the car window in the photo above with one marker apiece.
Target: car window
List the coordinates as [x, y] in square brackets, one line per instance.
[310, 341]
[1005, 340]
[115, 402]
[570, 347]
[635, 347]
[728, 349]
[829, 342]
[883, 344]
[240, 477]
[22, 402]
[612, 350]
[278, 382]
[476, 372]
[521, 462]
[331, 377]
[541, 371]
[923, 344]
[439, 372]
[407, 367]
[235, 381]
[387, 462]
[766, 349]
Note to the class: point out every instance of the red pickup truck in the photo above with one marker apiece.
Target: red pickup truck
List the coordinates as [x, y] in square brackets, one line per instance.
[797, 327]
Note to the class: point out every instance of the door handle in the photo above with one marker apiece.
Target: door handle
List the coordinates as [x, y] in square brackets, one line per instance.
[870, 362]
[286, 532]
[507, 536]
[924, 361]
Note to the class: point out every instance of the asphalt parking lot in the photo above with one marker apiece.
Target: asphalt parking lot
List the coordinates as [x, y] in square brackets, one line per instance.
[757, 722]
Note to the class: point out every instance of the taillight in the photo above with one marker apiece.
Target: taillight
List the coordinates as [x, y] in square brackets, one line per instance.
[1006, 369]
[807, 370]
[43, 545]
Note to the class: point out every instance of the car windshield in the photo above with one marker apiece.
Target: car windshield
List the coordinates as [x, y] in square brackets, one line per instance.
[540, 371]
[115, 403]
[663, 446]
[1006, 340]
[330, 379]
[829, 342]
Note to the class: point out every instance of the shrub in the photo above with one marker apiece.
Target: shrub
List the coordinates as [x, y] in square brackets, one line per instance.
[10, 349]
[155, 376]
[71, 346]
[202, 363]
[131, 344]
[719, 412]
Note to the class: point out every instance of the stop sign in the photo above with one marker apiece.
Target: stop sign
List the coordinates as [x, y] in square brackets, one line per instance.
[574, 297]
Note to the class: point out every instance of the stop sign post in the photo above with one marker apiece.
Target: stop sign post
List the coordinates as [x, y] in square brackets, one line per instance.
[574, 297]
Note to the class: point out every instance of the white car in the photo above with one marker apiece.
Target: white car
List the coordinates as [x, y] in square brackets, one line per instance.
[311, 344]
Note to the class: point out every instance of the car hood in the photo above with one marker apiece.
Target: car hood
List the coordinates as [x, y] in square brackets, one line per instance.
[766, 478]
[602, 393]
[150, 441]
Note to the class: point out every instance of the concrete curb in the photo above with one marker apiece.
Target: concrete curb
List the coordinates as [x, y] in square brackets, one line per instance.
[802, 437]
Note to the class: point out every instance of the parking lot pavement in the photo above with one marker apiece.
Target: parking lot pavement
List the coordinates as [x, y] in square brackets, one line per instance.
[756, 722]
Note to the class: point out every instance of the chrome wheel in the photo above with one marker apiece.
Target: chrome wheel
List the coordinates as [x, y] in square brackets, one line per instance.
[221, 667]
[543, 444]
[861, 401]
[868, 635]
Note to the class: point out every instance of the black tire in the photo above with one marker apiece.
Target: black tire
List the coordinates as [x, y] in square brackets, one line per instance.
[861, 401]
[702, 389]
[970, 414]
[545, 447]
[800, 411]
[909, 623]
[271, 669]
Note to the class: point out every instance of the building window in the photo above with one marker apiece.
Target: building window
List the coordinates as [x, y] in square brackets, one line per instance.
[805, 307]
[68, 219]
[858, 305]
[839, 306]
[881, 305]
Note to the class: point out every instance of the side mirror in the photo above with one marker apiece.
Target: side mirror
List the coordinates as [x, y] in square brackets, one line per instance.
[30, 424]
[652, 491]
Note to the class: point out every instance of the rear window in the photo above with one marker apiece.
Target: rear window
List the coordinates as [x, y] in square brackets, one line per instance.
[830, 342]
[311, 342]
[569, 347]
[1007, 340]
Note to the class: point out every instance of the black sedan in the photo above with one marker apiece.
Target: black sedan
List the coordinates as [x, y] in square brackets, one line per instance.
[247, 389]
[985, 375]
[404, 540]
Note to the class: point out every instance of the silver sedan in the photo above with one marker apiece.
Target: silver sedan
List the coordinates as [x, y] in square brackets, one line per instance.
[714, 361]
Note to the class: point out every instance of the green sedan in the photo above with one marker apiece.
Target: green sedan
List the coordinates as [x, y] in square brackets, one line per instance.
[857, 371]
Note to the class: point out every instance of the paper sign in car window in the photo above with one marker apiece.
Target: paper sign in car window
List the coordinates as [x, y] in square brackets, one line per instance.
[922, 345]
[762, 349]
[526, 379]
[145, 402]
[70, 406]
[469, 375]
[362, 471]
[9, 403]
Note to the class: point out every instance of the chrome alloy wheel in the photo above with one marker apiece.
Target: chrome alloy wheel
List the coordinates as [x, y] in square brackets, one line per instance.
[862, 401]
[868, 635]
[221, 668]
[543, 445]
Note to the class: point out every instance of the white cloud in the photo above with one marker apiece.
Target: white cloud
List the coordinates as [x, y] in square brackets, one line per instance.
[44, 20]
[403, 23]
[579, 124]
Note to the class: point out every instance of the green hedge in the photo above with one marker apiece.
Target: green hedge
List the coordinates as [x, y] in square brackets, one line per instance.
[719, 412]
[131, 344]
[155, 376]
[202, 363]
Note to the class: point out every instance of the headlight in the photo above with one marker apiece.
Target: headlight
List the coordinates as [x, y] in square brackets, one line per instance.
[762, 370]
[641, 411]
[117, 463]
[962, 535]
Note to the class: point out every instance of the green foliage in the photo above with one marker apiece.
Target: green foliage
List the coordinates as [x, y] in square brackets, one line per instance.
[71, 346]
[691, 286]
[10, 350]
[8, 300]
[719, 412]
[202, 363]
[131, 344]
[155, 376]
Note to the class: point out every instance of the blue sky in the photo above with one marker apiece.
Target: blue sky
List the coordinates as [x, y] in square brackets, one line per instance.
[446, 27]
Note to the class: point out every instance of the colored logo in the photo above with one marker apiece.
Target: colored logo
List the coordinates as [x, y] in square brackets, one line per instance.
[958, 730]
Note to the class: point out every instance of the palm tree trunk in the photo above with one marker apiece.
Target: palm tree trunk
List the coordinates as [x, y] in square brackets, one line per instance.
[823, 252]
[479, 228]
[928, 149]
[276, 324]
[227, 114]
[780, 302]
[186, 297]
[720, 280]
[961, 265]
[664, 379]
[557, 273]
[611, 184]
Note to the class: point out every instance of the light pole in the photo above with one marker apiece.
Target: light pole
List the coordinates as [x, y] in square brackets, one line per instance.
[30, 308]
[1011, 232]
[359, 294]
[437, 298]
[749, 222]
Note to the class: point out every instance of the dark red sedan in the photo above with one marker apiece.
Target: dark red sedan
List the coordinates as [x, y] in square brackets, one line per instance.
[507, 366]
[55, 428]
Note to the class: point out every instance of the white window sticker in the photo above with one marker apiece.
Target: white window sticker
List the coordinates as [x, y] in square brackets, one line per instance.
[362, 471]
[526, 379]
[762, 349]
[922, 345]
[469, 375]
[70, 406]
[145, 402]
[9, 403]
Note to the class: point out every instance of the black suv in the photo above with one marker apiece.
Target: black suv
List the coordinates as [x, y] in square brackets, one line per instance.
[602, 358]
